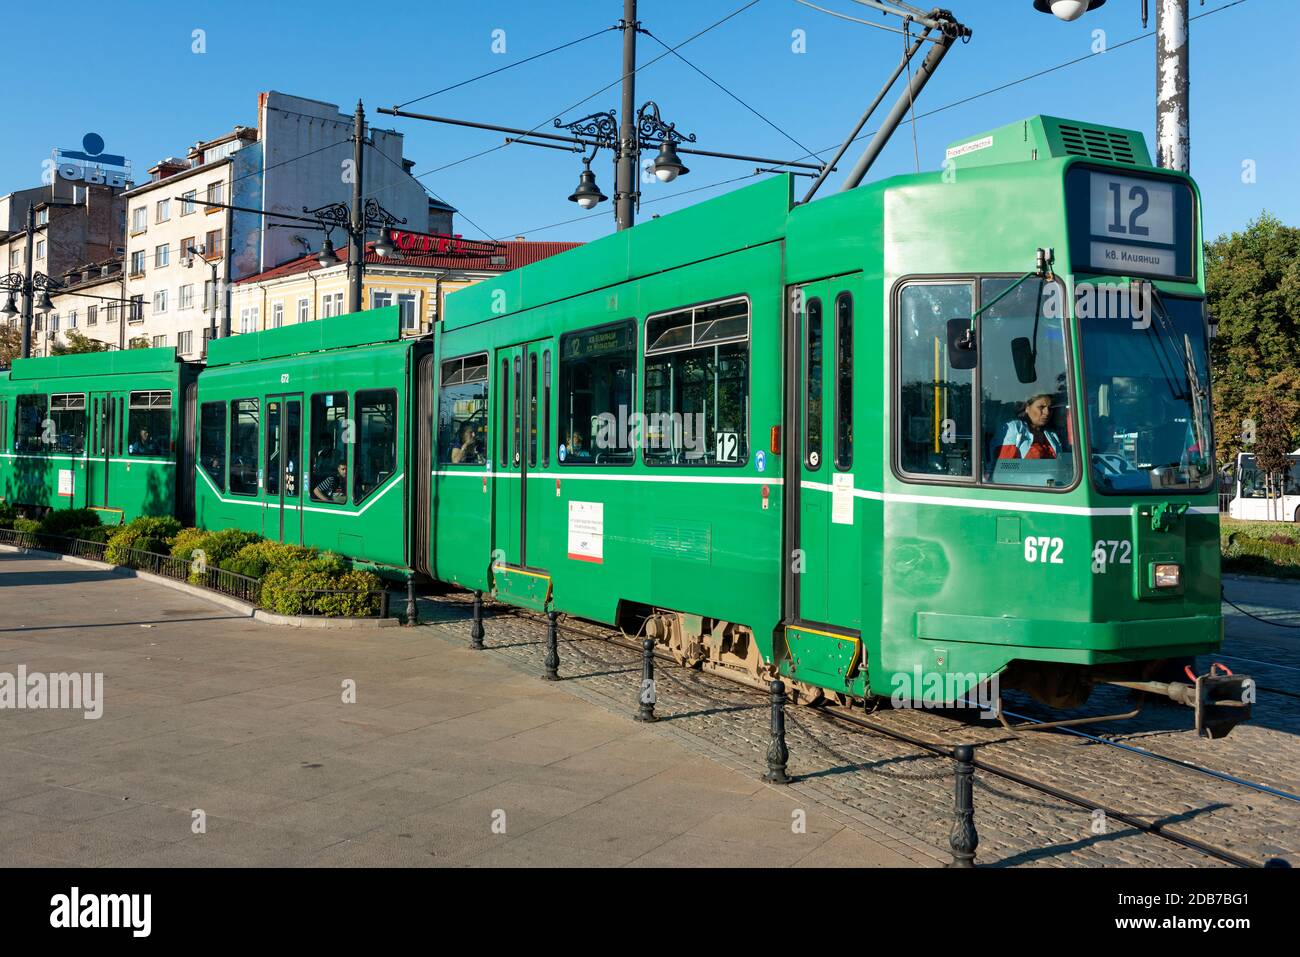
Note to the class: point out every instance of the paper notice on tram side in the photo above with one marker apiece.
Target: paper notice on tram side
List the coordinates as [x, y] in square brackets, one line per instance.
[65, 482]
[842, 499]
[587, 531]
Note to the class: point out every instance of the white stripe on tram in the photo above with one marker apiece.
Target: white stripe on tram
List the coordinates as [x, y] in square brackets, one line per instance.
[299, 508]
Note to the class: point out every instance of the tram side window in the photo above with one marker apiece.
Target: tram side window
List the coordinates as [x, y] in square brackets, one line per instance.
[212, 442]
[844, 382]
[463, 411]
[935, 404]
[68, 415]
[597, 373]
[149, 423]
[376, 458]
[1024, 425]
[243, 446]
[697, 385]
[331, 433]
[29, 427]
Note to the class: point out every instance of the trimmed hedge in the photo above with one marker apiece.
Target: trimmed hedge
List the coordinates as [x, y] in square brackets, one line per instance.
[288, 592]
[75, 523]
[258, 558]
[146, 533]
[8, 514]
[1260, 548]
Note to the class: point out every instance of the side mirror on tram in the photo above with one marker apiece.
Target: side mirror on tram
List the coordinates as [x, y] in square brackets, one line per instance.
[1022, 356]
[962, 350]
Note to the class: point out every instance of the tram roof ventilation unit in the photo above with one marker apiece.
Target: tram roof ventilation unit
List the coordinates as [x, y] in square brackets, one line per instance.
[371, 327]
[116, 362]
[1049, 137]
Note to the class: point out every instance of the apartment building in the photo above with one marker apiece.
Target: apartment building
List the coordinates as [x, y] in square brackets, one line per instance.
[300, 155]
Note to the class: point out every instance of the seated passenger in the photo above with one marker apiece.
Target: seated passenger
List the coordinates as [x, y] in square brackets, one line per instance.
[1027, 436]
[576, 451]
[144, 444]
[467, 452]
[333, 488]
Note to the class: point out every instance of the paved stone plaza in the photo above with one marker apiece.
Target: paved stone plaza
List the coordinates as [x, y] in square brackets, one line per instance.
[205, 710]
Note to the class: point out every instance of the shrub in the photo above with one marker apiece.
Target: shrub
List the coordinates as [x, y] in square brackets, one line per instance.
[218, 547]
[26, 525]
[258, 558]
[7, 515]
[288, 591]
[147, 533]
[185, 541]
[72, 523]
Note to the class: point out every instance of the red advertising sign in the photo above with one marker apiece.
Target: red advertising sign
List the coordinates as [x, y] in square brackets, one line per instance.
[441, 244]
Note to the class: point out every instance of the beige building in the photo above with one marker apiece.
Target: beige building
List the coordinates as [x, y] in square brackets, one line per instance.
[303, 290]
[89, 302]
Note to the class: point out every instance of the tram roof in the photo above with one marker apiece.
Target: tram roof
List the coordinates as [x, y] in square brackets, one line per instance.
[117, 362]
[371, 327]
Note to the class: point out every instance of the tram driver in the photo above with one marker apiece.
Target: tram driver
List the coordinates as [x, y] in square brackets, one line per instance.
[1027, 435]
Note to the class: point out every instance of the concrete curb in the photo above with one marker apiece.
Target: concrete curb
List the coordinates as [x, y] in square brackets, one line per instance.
[216, 598]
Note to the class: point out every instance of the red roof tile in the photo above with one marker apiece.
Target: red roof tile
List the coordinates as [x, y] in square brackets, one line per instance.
[517, 253]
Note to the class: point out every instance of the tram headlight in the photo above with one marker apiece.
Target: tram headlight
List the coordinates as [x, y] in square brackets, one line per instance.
[1166, 575]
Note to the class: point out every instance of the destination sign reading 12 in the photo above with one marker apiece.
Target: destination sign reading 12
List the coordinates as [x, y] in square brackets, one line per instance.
[1132, 225]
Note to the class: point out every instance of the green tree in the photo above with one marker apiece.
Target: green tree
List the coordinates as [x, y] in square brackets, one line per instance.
[138, 342]
[11, 343]
[78, 342]
[1252, 282]
[1274, 440]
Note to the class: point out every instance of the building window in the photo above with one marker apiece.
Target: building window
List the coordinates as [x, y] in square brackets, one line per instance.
[112, 312]
[54, 322]
[42, 217]
[331, 304]
[697, 385]
[248, 319]
[159, 301]
[209, 295]
[277, 315]
[149, 420]
[187, 247]
[243, 447]
[162, 255]
[597, 367]
[379, 300]
[162, 211]
[376, 456]
[303, 306]
[160, 342]
[92, 315]
[184, 342]
[137, 308]
[328, 476]
[72, 318]
[212, 442]
[186, 297]
[40, 249]
[462, 411]
[139, 219]
[137, 263]
[410, 321]
[15, 258]
[212, 248]
[214, 195]
[187, 204]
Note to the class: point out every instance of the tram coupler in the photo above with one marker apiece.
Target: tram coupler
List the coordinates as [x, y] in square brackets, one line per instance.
[1220, 699]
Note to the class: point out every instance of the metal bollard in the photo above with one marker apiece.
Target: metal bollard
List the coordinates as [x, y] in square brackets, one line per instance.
[552, 662]
[412, 610]
[963, 839]
[777, 753]
[647, 698]
[476, 629]
[1277, 862]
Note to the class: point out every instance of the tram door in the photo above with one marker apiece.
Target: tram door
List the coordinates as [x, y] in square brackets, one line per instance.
[284, 471]
[828, 590]
[522, 451]
[104, 444]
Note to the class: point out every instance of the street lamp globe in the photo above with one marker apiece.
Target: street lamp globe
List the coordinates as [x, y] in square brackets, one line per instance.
[1067, 10]
[11, 308]
[45, 305]
[326, 255]
[667, 165]
[382, 247]
[588, 194]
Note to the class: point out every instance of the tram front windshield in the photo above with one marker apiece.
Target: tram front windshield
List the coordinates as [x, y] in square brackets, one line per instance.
[1148, 399]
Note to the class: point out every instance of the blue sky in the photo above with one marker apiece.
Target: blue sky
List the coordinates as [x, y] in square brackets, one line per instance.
[129, 73]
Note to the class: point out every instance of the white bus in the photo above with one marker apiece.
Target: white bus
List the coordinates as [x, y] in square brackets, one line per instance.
[1250, 498]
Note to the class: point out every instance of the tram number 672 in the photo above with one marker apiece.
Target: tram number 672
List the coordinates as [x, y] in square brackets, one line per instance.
[1042, 548]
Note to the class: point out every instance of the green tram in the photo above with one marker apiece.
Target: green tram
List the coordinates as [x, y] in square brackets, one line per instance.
[305, 435]
[877, 443]
[900, 441]
[102, 430]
